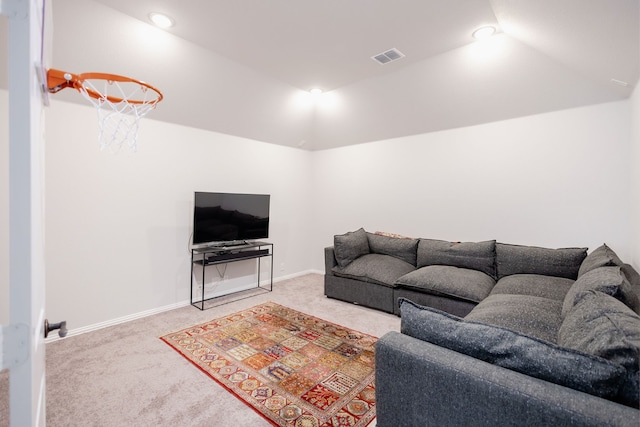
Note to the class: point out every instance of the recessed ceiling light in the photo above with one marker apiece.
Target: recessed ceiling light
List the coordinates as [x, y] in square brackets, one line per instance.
[484, 32]
[315, 91]
[161, 20]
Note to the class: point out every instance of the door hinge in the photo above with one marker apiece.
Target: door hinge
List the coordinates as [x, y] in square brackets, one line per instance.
[14, 341]
[14, 8]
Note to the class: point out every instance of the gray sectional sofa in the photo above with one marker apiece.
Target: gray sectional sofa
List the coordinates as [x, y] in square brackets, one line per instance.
[496, 334]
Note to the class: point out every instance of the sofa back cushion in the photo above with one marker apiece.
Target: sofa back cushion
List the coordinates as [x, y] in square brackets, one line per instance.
[634, 279]
[516, 259]
[602, 256]
[609, 280]
[402, 248]
[632, 275]
[513, 350]
[603, 326]
[479, 256]
[350, 246]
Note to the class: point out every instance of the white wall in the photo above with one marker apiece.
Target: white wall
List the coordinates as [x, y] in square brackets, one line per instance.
[118, 226]
[635, 183]
[555, 180]
[4, 207]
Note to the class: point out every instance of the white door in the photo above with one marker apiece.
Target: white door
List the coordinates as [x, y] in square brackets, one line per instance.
[23, 347]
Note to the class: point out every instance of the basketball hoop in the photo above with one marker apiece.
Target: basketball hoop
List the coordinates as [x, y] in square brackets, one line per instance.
[120, 101]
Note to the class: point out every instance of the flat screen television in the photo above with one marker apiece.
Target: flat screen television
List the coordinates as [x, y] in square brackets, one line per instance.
[229, 218]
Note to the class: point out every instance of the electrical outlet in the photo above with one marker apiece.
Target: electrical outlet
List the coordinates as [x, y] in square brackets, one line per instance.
[282, 266]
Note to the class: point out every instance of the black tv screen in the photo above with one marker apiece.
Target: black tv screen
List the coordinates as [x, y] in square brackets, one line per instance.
[230, 217]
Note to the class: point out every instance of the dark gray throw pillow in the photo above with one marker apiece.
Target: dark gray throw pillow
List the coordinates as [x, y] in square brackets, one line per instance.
[512, 350]
[603, 326]
[609, 280]
[600, 257]
[479, 256]
[517, 259]
[350, 246]
[402, 248]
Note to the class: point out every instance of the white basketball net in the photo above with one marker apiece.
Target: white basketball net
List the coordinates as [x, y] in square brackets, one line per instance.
[118, 121]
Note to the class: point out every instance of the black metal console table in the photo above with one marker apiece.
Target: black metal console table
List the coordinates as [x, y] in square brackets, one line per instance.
[216, 255]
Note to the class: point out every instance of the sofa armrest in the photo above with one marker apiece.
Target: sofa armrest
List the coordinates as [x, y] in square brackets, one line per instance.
[329, 260]
[421, 384]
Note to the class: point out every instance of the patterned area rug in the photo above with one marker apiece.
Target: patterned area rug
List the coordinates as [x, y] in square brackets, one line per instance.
[292, 368]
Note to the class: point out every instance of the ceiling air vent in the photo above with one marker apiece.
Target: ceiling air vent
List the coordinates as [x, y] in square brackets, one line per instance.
[388, 56]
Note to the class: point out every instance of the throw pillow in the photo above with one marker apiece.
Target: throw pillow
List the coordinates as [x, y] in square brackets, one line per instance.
[609, 280]
[402, 248]
[603, 326]
[397, 236]
[350, 246]
[479, 256]
[517, 259]
[512, 350]
[600, 257]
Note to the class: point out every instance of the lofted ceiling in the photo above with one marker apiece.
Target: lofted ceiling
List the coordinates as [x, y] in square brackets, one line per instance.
[244, 67]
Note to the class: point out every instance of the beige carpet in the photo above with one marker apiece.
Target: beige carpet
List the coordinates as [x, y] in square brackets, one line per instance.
[125, 376]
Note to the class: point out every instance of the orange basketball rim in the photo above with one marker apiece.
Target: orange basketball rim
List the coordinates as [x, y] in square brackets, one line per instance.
[58, 80]
[120, 102]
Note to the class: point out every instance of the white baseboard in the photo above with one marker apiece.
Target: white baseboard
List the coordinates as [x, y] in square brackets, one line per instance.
[117, 321]
[151, 312]
[294, 275]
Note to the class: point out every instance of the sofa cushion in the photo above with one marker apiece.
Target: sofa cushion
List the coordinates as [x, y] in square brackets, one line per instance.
[634, 279]
[609, 280]
[375, 268]
[550, 287]
[479, 256]
[513, 350]
[516, 259]
[402, 248]
[603, 256]
[350, 246]
[603, 326]
[461, 283]
[632, 275]
[534, 316]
